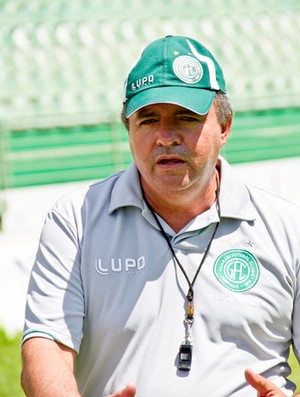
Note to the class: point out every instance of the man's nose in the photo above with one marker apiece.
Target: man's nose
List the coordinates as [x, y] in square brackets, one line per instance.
[167, 135]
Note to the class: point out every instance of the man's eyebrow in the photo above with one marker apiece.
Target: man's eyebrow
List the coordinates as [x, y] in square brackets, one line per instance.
[144, 112]
[150, 112]
[188, 112]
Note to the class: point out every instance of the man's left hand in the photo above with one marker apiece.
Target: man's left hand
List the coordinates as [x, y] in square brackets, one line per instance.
[263, 386]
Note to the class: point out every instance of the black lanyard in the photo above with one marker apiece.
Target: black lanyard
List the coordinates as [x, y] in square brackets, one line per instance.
[185, 351]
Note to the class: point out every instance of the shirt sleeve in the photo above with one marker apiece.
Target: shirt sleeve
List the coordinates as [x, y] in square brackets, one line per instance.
[55, 300]
[296, 315]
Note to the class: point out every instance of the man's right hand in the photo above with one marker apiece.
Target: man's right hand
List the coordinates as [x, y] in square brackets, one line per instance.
[129, 391]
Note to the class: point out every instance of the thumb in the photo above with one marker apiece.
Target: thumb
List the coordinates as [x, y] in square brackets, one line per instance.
[129, 391]
[263, 386]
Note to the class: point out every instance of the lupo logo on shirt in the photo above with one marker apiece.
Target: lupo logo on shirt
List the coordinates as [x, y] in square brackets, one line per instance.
[237, 270]
[118, 265]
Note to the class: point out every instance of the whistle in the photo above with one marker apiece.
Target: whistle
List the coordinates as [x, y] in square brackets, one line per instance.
[185, 356]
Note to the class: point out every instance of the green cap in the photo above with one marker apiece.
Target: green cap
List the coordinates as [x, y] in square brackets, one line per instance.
[176, 70]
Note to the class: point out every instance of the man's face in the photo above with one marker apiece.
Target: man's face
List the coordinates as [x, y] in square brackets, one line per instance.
[175, 149]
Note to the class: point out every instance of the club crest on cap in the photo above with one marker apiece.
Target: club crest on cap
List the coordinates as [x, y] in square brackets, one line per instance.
[188, 69]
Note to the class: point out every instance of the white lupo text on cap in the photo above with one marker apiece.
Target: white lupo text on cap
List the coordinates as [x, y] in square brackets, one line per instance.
[142, 82]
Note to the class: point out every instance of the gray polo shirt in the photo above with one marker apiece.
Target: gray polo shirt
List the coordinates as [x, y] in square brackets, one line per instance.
[105, 284]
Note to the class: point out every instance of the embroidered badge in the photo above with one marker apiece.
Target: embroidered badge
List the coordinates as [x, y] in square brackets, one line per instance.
[188, 69]
[237, 270]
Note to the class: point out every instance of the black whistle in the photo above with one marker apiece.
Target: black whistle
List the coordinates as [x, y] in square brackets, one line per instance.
[185, 356]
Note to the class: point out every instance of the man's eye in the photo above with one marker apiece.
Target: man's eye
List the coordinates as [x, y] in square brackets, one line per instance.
[147, 121]
[189, 118]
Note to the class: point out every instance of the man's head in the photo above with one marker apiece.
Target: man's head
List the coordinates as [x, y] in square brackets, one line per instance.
[176, 70]
[178, 117]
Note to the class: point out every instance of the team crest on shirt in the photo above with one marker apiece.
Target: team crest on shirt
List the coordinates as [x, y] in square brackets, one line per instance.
[237, 270]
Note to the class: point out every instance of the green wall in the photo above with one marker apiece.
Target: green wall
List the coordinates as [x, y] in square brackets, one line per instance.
[54, 155]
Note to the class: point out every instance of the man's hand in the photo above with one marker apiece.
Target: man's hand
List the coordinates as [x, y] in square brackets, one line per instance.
[264, 387]
[129, 391]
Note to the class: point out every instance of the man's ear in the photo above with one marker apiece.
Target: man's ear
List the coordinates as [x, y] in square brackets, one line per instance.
[226, 128]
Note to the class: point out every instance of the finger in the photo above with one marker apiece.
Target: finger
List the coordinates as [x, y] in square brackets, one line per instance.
[263, 386]
[129, 391]
[254, 380]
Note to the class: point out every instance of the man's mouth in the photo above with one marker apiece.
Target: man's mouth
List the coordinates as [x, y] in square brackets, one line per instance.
[169, 161]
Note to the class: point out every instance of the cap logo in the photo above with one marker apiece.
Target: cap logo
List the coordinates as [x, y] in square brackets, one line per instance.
[188, 69]
[146, 80]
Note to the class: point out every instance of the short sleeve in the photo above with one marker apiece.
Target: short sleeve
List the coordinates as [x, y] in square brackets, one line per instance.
[55, 300]
[296, 315]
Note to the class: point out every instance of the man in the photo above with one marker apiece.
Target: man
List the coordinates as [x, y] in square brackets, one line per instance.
[172, 277]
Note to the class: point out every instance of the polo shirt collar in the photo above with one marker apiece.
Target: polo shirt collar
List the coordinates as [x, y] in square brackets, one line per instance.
[235, 201]
[127, 190]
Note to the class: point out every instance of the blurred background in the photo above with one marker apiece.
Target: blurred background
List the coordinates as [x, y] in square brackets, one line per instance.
[62, 68]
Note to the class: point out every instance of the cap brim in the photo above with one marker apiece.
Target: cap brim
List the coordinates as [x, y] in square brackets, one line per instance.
[195, 99]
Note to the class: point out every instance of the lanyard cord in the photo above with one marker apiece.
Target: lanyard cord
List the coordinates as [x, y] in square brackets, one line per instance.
[190, 294]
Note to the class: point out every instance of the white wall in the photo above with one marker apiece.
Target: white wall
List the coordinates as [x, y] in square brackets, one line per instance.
[280, 177]
[27, 208]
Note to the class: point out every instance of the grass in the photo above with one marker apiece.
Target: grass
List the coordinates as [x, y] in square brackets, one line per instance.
[10, 367]
[295, 376]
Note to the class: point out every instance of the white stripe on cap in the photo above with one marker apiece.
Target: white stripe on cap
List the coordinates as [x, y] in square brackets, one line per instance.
[211, 66]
